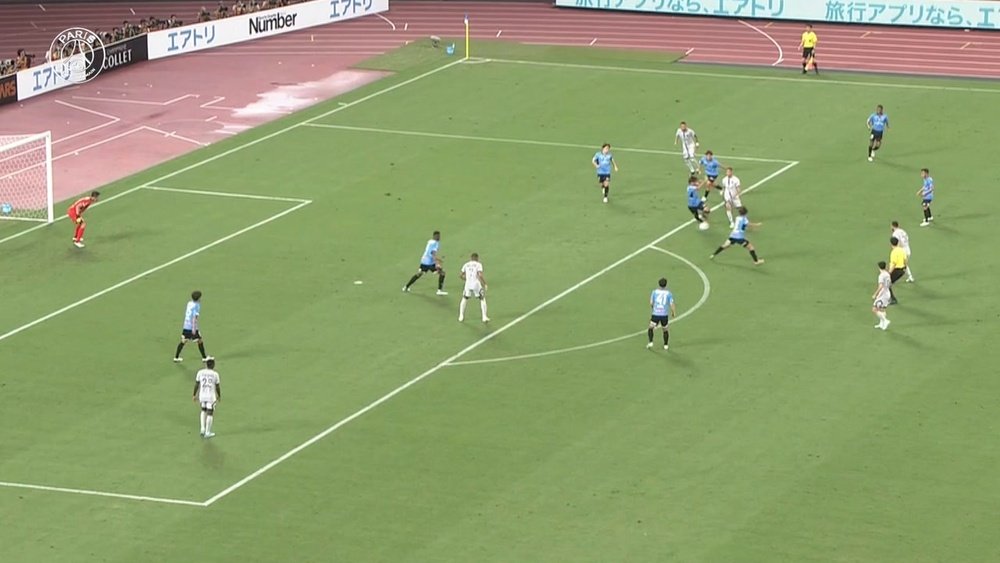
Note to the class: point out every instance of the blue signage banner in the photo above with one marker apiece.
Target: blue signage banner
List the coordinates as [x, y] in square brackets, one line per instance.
[968, 14]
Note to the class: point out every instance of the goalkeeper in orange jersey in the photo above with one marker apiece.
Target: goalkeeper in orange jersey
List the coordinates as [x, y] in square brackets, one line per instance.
[75, 213]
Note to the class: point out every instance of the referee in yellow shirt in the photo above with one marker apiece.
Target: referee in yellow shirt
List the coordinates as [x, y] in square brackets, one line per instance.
[808, 46]
[897, 266]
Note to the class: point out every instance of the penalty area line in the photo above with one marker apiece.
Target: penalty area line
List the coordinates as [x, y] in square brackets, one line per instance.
[450, 360]
[92, 493]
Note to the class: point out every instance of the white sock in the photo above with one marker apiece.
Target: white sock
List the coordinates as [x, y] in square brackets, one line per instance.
[881, 317]
[909, 273]
[461, 307]
[729, 213]
[482, 305]
[203, 416]
[208, 424]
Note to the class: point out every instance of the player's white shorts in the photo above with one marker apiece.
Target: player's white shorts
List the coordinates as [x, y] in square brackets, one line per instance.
[689, 151]
[732, 201]
[906, 249]
[474, 290]
[881, 302]
[208, 405]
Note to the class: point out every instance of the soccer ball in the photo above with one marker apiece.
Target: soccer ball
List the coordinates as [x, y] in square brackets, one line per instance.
[6, 208]
[703, 226]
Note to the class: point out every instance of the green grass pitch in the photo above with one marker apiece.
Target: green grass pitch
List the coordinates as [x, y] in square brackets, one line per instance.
[779, 427]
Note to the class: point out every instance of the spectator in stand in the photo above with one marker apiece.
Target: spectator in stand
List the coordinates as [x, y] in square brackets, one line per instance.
[222, 11]
[174, 22]
[204, 15]
[23, 60]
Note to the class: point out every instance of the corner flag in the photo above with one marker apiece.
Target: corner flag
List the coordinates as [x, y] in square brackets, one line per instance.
[466, 36]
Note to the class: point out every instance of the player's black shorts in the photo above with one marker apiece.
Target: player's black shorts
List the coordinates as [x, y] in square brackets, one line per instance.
[429, 268]
[657, 320]
[696, 211]
[808, 52]
[739, 241]
[601, 178]
[877, 135]
[191, 334]
[927, 201]
[896, 275]
[711, 178]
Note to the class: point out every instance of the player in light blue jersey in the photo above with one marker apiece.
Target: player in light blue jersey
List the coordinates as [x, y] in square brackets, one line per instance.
[430, 262]
[711, 166]
[604, 161]
[191, 331]
[878, 122]
[661, 301]
[739, 236]
[696, 205]
[926, 193]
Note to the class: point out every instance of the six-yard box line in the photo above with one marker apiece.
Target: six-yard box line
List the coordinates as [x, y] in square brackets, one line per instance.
[302, 203]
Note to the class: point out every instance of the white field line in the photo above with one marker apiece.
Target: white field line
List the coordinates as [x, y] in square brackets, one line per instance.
[112, 120]
[227, 194]
[754, 77]
[376, 403]
[519, 141]
[101, 494]
[150, 271]
[174, 135]
[706, 291]
[781, 53]
[259, 140]
[135, 102]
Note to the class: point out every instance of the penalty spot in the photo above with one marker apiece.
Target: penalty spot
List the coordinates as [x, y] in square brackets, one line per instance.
[358, 282]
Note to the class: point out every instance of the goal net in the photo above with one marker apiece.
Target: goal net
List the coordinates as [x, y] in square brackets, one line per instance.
[26, 177]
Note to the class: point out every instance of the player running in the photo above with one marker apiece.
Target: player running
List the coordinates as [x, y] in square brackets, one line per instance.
[878, 122]
[75, 213]
[475, 286]
[904, 243]
[882, 297]
[731, 194]
[430, 262]
[711, 167]
[696, 205]
[604, 162]
[207, 393]
[191, 331]
[926, 193]
[739, 236]
[661, 301]
[689, 146]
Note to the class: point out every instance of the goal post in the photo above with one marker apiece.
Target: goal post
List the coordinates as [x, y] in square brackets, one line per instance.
[26, 178]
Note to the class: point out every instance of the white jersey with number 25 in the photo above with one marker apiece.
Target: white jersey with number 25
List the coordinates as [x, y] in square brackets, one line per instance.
[207, 380]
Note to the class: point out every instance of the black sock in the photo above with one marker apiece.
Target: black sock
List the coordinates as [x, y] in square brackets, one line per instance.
[605, 192]
[666, 337]
[412, 281]
[753, 254]
[871, 149]
[650, 334]
[804, 68]
[440, 282]
[816, 67]
[201, 348]
[927, 213]
[180, 347]
[877, 147]
[718, 250]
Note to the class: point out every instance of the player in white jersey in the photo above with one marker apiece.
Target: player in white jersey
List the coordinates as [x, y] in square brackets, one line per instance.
[475, 286]
[731, 194]
[207, 393]
[689, 146]
[882, 296]
[904, 243]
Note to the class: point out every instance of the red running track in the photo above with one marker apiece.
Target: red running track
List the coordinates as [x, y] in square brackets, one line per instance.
[143, 115]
